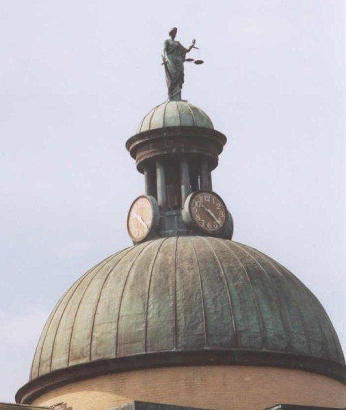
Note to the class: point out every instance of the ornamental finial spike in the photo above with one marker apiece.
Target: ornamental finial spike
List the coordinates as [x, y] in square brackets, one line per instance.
[173, 58]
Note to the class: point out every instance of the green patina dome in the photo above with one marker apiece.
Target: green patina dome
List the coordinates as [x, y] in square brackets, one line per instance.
[188, 295]
[175, 114]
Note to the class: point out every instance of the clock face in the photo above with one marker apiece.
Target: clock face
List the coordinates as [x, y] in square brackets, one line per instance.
[140, 218]
[208, 211]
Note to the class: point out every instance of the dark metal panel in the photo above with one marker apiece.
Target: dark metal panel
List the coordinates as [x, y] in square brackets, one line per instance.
[129, 316]
[275, 336]
[160, 314]
[105, 321]
[61, 340]
[220, 326]
[51, 324]
[321, 334]
[37, 356]
[81, 333]
[47, 353]
[95, 309]
[132, 316]
[246, 309]
[191, 332]
[290, 300]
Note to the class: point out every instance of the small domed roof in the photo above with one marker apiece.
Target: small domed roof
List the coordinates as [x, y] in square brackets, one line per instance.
[181, 295]
[175, 114]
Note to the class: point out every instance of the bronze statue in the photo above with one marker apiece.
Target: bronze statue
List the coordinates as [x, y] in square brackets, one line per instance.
[173, 60]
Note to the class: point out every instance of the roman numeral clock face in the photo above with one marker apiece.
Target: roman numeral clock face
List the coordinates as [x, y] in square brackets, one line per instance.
[208, 211]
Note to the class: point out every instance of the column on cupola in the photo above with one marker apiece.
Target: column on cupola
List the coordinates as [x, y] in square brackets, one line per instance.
[150, 181]
[205, 176]
[194, 175]
[173, 183]
[161, 184]
[185, 181]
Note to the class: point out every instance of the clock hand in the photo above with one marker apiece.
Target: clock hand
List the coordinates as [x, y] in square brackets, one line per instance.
[140, 219]
[211, 214]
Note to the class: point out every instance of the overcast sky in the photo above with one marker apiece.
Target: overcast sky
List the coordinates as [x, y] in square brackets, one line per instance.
[77, 77]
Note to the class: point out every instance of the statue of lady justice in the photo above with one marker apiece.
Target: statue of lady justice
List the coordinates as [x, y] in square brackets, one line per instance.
[173, 59]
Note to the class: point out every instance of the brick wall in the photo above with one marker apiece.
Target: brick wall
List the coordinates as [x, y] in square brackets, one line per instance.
[214, 387]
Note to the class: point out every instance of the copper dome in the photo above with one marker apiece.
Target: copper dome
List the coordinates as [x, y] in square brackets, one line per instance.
[189, 294]
[175, 114]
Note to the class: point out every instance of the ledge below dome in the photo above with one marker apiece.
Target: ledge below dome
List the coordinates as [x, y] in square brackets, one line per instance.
[193, 386]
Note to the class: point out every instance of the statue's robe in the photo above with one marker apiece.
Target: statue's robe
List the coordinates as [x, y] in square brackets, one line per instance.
[174, 54]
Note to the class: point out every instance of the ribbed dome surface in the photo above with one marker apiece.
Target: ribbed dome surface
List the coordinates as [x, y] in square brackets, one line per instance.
[175, 114]
[184, 294]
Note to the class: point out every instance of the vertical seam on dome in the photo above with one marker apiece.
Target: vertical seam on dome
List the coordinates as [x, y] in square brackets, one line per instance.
[223, 275]
[202, 294]
[151, 117]
[337, 347]
[76, 313]
[334, 336]
[297, 304]
[178, 113]
[254, 296]
[312, 296]
[277, 297]
[164, 115]
[203, 114]
[122, 294]
[338, 351]
[140, 126]
[44, 334]
[99, 266]
[148, 294]
[75, 284]
[175, 325]
[209, 119]
[99, 298]
[192, 114]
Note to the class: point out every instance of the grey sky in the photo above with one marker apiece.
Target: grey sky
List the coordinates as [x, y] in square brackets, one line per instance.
[77, 77]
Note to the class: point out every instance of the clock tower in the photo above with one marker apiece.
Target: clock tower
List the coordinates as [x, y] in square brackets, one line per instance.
[176, 148]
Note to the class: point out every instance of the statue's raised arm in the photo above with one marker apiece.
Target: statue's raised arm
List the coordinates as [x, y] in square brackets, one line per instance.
[173, 60]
